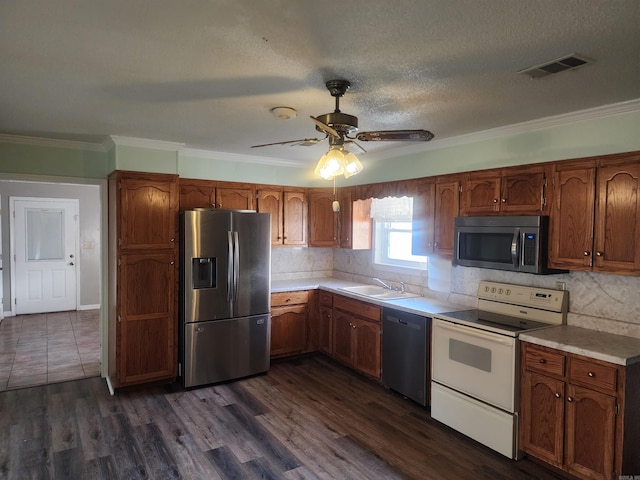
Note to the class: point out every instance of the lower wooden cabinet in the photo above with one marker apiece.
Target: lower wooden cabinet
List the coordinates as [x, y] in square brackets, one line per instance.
[289, 323]
[573, 413]
[325, 327]
[145, 349]
[356, 335]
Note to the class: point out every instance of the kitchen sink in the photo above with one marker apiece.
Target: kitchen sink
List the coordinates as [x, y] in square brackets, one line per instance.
[378, 292]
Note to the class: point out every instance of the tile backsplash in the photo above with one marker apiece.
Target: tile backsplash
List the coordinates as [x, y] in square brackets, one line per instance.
[598, 301]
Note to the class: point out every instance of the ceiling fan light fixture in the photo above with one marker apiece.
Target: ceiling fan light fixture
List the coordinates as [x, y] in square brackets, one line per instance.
[337, 161]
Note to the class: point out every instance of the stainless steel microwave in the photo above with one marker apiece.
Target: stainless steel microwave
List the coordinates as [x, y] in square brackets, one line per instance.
[515, 243]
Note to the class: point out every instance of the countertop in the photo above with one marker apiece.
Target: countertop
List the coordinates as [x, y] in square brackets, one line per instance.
[604, 346]
[419, 305]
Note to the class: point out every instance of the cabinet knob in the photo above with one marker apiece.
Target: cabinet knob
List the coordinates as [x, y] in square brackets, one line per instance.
[542, 360]
[504, 200]
[591, 374]
[557, 395]
[569, 399]
[495, 200]
[172, 240]
[171, 262]
[586, 253]
[599, 254]
[435, 244]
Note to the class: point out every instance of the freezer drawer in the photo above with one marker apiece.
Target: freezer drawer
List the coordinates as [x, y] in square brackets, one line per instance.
[222, 350]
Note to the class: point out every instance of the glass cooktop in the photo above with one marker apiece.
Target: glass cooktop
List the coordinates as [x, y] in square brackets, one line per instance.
[494, 322]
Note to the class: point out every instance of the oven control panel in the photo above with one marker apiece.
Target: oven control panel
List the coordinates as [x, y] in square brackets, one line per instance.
[537, 297]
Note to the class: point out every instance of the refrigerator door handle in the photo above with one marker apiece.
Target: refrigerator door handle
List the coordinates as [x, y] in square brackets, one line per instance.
[230, 268]
[236, 264]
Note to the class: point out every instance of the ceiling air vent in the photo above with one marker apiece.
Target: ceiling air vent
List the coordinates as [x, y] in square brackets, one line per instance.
[569, 62]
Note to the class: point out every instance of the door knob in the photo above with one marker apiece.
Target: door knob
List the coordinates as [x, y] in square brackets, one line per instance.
[71, 264]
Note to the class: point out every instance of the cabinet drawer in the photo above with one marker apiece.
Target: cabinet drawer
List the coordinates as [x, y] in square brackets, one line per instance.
[289, 298]
[326, 298]
[540, 360]
[591, 374]
[355, 307]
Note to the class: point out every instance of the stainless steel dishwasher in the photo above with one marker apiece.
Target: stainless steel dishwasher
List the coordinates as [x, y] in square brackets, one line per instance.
[405, 354]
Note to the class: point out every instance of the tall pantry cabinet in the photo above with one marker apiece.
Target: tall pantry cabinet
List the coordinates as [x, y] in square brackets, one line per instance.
[143, 211]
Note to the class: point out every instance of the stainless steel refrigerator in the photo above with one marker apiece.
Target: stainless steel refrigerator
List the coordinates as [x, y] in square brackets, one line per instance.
[224, 302]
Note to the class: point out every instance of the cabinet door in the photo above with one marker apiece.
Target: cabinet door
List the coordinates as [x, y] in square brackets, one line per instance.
[481, 193]
[523, 191]
[148, 212]
[571, 229]
[618, 211]
[423, 224]
[367, 345]
[146, 347]
[325, 334]
[235, 197]
[197, 194]
[270, 201]
[343, 326]
[288, 329]
[447, 208]
[345, 196]
[295, 219]
[542, 417]
[322, 220]
[590, 434]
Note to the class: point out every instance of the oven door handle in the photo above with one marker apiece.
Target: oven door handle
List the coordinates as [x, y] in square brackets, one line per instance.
[475, 332]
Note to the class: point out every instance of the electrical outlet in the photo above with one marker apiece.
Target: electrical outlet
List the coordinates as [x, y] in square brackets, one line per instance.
[561, 286]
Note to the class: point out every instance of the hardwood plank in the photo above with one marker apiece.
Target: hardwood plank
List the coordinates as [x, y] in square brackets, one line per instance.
[308, 418]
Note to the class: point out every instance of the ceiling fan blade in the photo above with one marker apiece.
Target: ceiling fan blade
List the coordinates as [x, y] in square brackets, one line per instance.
[396, 135]
[303, 141]
[356, 144]
[324, 127]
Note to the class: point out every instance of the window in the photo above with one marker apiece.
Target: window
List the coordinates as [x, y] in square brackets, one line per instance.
[392, 238]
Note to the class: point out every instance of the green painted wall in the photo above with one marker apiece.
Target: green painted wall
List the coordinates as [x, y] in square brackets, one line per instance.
[56, 161]
[596, 136]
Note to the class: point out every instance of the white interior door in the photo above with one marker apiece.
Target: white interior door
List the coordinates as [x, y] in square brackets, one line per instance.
[45, 239]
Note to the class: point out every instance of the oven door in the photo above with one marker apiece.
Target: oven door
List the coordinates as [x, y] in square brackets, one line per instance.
[475, 362]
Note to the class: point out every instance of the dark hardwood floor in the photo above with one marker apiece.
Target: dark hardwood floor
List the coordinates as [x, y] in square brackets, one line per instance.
[308, 418]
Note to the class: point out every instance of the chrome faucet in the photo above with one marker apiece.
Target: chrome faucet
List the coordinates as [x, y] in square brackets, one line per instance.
[384, 285]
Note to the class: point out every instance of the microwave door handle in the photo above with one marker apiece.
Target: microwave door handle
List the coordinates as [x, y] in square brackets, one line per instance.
[515, 242]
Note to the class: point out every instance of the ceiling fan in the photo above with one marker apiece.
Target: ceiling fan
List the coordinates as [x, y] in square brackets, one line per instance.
[341, 128]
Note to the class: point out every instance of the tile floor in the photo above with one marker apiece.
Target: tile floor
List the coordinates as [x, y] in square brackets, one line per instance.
[50, 347]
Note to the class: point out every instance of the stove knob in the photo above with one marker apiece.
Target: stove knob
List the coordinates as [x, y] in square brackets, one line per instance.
[493, 289]
[500, 291]
[507, 292]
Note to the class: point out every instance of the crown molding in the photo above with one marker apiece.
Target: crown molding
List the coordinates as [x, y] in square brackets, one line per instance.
[235, 157]
[52, 142]
[120, 141]
[515, 129]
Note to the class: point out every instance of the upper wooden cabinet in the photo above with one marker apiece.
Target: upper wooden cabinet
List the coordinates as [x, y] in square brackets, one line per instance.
[595, 218]
[447, 208]
[423, 224]
[323, 221]
[510, 191]
[354, 221]
[288, 215]
[212, 194]
[147, 207]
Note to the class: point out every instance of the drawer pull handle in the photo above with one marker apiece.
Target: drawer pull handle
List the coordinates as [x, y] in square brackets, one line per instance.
[591, 374]
[557, 395]
[569, 399]
[542, 360]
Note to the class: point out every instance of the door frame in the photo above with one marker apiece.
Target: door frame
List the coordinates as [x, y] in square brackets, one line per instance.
[12, 243]
[104, 254]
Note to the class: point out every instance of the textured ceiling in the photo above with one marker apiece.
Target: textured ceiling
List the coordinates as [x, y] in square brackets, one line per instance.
[206, 73]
